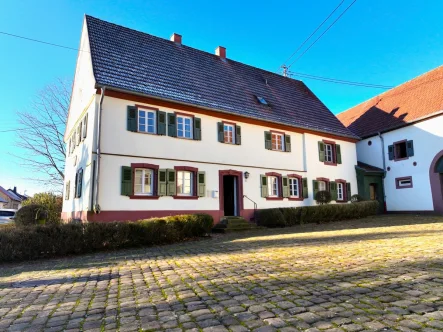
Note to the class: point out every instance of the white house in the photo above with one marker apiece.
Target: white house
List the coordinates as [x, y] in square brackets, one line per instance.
[403, 137]
[157, 128]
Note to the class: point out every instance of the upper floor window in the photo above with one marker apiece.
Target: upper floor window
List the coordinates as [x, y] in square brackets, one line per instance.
[146, 121]
[404, 182]
[294, 187]
[273, 186]
[340, 191]
[329, 152]
[401, 150]
[184, 126]
[229, 133]
[184, 183]
[143, 181]
[277, 141]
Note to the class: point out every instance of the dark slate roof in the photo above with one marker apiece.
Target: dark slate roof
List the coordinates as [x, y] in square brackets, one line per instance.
[369, 168]
[10, 194]
[137, 62]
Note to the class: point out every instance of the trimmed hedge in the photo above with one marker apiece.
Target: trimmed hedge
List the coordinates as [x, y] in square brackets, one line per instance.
[31, 215]
[316, 214]
[25, 243]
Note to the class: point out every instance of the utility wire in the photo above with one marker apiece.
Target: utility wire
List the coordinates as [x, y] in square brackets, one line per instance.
[40, 41]
[330, 26]
[337, 81]
[313, 33]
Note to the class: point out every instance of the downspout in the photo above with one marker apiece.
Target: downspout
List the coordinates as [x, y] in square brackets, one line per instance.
[384, 167]
[97, 164]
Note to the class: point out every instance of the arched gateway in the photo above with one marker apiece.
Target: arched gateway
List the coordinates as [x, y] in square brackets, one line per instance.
[436, 179]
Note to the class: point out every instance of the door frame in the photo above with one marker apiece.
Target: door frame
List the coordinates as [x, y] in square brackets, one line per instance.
[239, 189]
[436, 186]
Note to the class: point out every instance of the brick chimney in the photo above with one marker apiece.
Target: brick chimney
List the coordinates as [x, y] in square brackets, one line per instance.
[176, 38]
[221, 52]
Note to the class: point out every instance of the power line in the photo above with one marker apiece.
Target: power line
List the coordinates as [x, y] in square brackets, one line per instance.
[338, 81]
[313, 33]
[40, 41]
[330, 26]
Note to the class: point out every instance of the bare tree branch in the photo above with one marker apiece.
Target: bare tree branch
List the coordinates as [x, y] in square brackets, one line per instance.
[42, 135]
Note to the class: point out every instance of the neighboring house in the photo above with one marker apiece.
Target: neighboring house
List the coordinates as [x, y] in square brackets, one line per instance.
[3, 202]
[12, 200]
[402, 144]
[158, 128]
[22, 197]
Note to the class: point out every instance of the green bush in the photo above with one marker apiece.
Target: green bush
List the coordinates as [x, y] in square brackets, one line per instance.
[323, 197]
[52, 206]
[271, 218]
[39, 241]
[316, 214]
[356, 198]
[30, 215]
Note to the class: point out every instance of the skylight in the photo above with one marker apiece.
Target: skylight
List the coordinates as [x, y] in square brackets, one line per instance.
[262, 101]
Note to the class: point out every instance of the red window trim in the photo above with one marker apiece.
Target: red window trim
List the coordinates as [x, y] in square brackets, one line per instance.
[345, 192]
[154, 178]
[280, 186]
[234, 133]
[146, 107]
[326, 180]
[334, 153]
[300, 187]
[193, 170]
[397, 180]
[395, 154]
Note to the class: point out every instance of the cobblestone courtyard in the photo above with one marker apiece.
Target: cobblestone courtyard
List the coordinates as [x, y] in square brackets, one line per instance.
[382, 273]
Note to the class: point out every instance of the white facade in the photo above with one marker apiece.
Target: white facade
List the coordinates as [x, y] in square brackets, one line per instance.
[427, 137]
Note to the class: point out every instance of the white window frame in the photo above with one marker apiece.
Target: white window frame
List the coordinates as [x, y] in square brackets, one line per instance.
[322, 185]
[277, 147]
[229, 129]
[340, 191]
[273, 188]
[184, 131]
[144, 173]
[294, 187]
[146, 121]
[181, 183]
[329, 153]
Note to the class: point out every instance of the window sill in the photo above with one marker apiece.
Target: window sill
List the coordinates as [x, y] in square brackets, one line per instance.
[329, 163]
[274, 198]
[278, 150]
[400, 159]
[295, 198]
[184, 197]
[341, 201]
[143, 197]
[145, 132]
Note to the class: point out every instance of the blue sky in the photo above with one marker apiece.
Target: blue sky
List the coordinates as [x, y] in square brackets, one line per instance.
[380, 42]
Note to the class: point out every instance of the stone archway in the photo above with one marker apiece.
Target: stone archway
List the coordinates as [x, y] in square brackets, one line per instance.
[436, 180]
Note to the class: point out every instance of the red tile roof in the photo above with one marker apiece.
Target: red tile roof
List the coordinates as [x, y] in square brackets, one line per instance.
[416, 99]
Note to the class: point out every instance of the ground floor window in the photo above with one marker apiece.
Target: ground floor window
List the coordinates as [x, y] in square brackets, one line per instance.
[184, 183]
[272, 186]
[322, 186]
[143, 181]
[340, 191]
[294, 186]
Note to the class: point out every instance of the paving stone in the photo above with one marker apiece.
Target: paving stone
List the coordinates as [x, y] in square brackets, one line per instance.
[308, 317]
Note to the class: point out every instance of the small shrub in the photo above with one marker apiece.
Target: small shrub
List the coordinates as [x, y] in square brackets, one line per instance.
[323, 197]
[30, 215]
[271, 218]
[356, 198]
[52, 240]
[51, 203]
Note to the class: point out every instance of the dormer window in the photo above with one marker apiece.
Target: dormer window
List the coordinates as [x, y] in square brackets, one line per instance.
[262, 101]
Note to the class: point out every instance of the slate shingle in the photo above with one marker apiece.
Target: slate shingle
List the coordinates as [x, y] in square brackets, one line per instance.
[134, 61]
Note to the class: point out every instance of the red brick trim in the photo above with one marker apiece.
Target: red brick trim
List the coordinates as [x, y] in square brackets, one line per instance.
[146, 107]
[239, 176]
[144, 165]
[144, 197]
[397, 180]
[184, 197]
[194, 170]
[395, 150]
[186, 168]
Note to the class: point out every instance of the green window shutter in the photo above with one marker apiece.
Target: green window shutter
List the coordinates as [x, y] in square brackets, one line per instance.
[287, 143]
[264, 185]
[126, 187]
[79, 133]
[220, 132]
[391, 152]
[131, 123]
[201, 184]
[321, 151]
[268, 140]
[68, 185]
[80, 183]
[238, 135]
[197, 129]
[305, 188]
[85, 126]
[75, 185]
[315, 186]
[162, 183]
[172, 126]
[348, 191]
[333, 189]
[410, 148]
[338, 153]
[161, 123]
[172, 186]
[285, 186]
